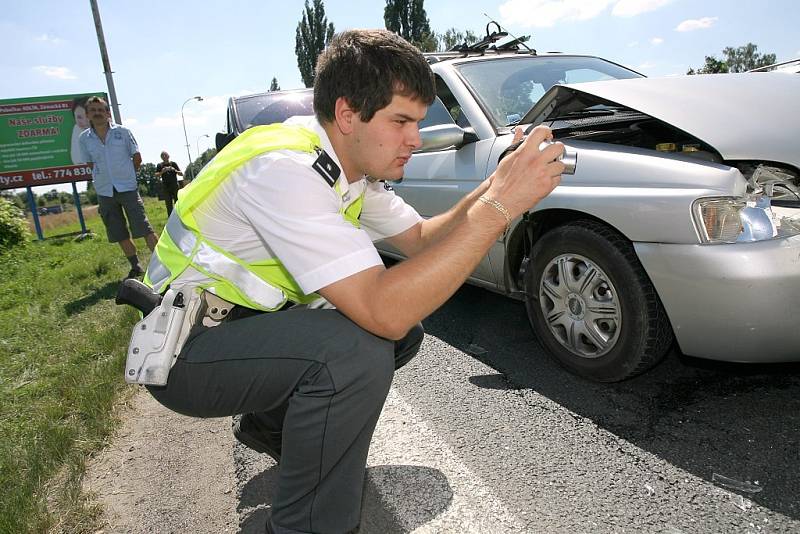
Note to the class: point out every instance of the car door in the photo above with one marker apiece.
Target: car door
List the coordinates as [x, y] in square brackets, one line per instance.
[434, 181]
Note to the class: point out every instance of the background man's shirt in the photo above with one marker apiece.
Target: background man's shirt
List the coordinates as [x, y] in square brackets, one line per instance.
[113, 167]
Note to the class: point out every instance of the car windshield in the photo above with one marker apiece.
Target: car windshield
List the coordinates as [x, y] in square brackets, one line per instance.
[269, 108]
[507, 88]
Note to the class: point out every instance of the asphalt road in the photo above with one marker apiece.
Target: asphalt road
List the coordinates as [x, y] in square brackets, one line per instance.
[484, 433]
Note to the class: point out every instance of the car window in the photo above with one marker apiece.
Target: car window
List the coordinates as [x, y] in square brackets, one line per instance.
[269, 108]
[450, 103]
[585, 75]
[507, 88]
[437, 114]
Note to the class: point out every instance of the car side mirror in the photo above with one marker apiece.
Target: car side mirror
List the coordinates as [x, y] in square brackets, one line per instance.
[444, 136]
[222, 139]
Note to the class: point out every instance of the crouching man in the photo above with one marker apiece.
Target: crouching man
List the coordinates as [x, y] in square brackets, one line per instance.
[286, 214]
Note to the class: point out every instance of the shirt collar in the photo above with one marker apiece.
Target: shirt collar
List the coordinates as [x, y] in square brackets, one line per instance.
[310, 122]
[111, 125]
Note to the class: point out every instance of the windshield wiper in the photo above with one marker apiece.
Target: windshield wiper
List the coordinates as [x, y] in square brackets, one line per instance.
[585, 113]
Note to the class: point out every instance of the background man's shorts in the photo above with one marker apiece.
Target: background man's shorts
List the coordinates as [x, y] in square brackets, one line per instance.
[111, 208]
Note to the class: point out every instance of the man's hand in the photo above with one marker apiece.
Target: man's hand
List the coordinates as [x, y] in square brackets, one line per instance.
[388, 302]
[526, 176]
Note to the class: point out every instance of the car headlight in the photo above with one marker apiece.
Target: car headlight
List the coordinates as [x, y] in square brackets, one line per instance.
[741, 220]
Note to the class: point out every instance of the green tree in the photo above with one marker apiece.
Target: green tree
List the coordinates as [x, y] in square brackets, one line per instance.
[746, 58]
[739, 59]
[146, 178]
[712, 66]
[314, 32]
[197, 165]
[21, 200]
[453, 37]
[91, 193]
[408, 19]
[273, 86]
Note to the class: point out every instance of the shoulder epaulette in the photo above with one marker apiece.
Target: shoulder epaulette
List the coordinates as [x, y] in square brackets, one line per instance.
[327, 168]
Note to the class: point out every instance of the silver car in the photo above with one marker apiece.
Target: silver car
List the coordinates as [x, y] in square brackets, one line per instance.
[681, 223]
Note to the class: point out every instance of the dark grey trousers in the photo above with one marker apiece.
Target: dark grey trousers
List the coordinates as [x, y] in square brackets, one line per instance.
[320, 374]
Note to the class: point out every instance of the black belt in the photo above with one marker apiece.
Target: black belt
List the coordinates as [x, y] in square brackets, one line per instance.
[243, 312]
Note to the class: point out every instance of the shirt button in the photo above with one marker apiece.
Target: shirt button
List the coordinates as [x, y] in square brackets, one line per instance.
[346, 196]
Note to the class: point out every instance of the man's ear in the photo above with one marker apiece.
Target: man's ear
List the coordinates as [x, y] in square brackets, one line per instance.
[344, 115]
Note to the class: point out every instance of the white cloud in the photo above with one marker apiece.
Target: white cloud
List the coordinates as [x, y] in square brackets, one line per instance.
[633, 43]
[45, 38]
[61, 73]
[696, 24]
[631, 8]
[647, 65]
[655, 41]
[546, 13]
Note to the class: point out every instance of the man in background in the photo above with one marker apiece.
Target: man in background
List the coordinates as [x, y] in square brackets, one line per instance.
[114, 154]
[168, 171]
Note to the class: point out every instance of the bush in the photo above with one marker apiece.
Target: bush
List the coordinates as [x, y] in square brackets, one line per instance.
[13, 226]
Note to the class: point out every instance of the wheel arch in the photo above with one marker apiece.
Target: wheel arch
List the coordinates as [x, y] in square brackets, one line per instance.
[530, 229]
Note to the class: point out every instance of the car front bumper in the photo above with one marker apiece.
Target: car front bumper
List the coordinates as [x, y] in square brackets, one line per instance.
[734, 302]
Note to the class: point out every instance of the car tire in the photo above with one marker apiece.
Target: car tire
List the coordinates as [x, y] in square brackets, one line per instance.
[592, 305]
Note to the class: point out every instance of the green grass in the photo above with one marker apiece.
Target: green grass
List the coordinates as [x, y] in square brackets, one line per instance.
[62, 349]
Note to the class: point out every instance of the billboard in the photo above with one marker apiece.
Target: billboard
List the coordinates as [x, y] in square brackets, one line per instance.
[39, 140]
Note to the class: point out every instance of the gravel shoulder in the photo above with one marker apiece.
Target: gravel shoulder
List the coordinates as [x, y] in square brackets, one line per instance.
[164, 472]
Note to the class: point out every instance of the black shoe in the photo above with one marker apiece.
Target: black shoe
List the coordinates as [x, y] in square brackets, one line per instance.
[136, 272]
[254, 434]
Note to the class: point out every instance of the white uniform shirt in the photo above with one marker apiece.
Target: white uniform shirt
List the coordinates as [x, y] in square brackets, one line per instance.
[277, 206]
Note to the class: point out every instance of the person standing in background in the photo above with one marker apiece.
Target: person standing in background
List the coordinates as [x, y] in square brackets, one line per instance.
[114, 154]
[168, 171]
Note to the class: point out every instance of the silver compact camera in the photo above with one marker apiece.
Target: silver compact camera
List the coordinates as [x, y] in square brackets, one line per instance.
[569, 157]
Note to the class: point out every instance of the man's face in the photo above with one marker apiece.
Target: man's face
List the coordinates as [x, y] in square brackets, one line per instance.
[384, 145]
[98, 114]
[164, 157]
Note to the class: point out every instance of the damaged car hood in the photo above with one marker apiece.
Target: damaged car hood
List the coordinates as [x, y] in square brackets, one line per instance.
[743, 116]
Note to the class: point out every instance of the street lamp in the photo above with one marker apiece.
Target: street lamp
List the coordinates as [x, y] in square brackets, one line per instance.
[197, 144]
[186, 138]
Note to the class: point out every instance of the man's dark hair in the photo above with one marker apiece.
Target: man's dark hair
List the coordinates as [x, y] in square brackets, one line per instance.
[367, 68]
[97, 100]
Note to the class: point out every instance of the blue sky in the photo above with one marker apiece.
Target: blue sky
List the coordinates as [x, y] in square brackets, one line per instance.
[164, 52]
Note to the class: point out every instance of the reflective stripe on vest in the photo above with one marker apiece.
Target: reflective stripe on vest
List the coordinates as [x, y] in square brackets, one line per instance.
[264, 284]
[214, 264]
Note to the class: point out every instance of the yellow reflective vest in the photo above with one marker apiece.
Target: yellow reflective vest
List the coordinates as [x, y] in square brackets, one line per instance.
[261, 285]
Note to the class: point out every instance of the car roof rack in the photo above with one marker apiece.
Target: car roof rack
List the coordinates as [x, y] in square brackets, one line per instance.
[484, 45]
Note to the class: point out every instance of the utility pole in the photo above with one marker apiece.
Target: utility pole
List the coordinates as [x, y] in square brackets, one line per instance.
[112, 93]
